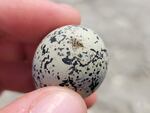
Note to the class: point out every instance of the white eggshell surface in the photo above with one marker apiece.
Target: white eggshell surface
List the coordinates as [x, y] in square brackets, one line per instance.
[73, 57]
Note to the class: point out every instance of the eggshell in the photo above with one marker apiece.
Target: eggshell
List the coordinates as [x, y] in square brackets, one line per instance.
[73, 57]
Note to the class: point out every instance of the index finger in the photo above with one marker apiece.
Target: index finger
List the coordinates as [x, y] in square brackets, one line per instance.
[29, 20]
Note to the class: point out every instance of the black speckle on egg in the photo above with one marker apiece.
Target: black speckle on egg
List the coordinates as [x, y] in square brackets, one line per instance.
[97, 72]
[90, 74]
[45, 85]
[88, 68]
[48, 71]
[58, 77]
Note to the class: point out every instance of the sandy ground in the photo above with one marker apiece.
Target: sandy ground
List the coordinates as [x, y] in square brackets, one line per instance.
[125, 26]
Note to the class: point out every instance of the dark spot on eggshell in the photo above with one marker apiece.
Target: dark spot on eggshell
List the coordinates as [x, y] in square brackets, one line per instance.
[90, 74]
[53, 39]
[58, 77]
[76, 43]
[44, 85]
[48, 71]
[85, 29]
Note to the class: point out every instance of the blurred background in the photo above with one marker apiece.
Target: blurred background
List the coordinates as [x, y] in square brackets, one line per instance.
[125, 26]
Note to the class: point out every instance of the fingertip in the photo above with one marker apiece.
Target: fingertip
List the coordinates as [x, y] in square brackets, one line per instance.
[72, 14]
[91, 100]
[49, 100]
[65, 101]
[31, 21]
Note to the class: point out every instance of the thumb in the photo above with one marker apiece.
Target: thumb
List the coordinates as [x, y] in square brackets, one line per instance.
[48, 100]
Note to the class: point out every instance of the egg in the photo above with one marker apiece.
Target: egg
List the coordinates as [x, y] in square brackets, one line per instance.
[73, 57]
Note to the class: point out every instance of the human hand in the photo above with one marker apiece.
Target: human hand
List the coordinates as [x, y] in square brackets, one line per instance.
[23, 23]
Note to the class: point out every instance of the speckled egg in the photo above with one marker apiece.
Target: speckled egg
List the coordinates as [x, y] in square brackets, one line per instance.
[73, 57]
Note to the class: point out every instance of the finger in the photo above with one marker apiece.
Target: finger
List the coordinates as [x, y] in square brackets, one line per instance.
[10, 51]
[48, 100]
[90, 101]
[29, 50]
[16, 76]
[29, 20]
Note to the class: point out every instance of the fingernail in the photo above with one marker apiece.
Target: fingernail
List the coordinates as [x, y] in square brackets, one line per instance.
[59, 102]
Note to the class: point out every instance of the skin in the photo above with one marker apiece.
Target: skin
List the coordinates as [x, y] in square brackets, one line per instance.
[23, 23]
